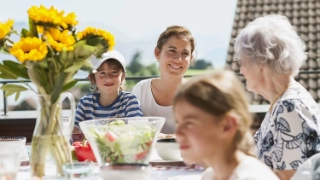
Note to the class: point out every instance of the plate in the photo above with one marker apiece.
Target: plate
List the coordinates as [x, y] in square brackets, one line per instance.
[155, 160]
[164, 161]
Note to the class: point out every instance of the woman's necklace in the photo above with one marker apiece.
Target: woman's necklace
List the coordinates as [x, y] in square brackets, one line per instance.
[285, 88]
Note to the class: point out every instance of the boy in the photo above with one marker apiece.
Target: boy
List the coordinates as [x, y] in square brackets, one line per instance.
[108, 98]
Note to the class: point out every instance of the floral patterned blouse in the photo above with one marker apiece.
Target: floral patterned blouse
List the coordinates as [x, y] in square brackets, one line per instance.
[290, 134]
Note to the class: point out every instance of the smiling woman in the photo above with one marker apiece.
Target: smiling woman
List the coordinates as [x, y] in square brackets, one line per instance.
[174, 52]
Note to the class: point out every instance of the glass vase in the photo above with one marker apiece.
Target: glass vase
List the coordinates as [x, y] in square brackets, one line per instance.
[50, 142]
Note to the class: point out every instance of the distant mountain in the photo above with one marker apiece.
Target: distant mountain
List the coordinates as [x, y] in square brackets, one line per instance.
[217, 56]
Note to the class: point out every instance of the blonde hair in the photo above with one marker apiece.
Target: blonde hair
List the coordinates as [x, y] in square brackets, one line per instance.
[220, 93]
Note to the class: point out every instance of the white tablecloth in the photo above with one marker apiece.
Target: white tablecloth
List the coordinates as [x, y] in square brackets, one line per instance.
[157, 172]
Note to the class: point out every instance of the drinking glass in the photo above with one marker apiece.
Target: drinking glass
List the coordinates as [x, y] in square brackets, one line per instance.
[14, 143]
[9, 164]
[80, 171]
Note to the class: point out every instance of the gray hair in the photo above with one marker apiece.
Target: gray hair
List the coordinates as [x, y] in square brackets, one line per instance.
[272, 40]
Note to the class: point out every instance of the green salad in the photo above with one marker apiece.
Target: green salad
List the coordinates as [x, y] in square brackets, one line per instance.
[121, 143]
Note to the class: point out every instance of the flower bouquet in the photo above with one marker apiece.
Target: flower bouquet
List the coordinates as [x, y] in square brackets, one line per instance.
[49, 54]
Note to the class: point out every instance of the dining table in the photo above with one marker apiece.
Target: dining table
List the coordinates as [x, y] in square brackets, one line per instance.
[159, 170]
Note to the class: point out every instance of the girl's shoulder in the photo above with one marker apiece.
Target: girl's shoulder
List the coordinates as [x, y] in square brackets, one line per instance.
[244, 170]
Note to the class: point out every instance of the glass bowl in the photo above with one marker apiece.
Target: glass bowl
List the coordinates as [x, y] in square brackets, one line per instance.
[122, 141]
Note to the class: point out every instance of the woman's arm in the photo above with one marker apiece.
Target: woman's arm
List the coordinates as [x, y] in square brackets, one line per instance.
[295, 137]
[284, 174]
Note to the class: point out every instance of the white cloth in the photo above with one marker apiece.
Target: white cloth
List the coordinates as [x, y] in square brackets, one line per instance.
[149, 106]
[249, 168]
[290, 134]
[309, 170]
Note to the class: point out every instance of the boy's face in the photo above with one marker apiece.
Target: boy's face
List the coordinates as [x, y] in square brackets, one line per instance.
[108, 79]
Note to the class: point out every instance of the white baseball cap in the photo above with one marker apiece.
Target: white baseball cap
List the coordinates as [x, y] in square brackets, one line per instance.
[112, 54]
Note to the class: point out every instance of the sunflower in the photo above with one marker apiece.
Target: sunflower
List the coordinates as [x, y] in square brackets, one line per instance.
[40, 29]
[5, 28]
[89, 31]
[30, 48]
[60, 40]
[43, 15]
[69, 20]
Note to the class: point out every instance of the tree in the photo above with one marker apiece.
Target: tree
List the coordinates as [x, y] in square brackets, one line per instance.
[135, 65]
[153, 69]
[201, 64]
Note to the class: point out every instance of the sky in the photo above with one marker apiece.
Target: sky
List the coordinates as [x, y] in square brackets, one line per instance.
[139, 17]
[210, 21]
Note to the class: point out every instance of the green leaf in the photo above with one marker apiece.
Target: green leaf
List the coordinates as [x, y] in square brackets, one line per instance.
[77, 51]
[70, 56]
[69, 85]
[87, 51]
[40, 74]
[33, 28]
[57, 90]
[80, 43]
[8, 93]
[7, 72]
[17, 68]
[5, 76]
[3, 49]
[10, 89]
[44, 63]
[24, 32]
[94, 41]
[87, 69]
[75, 67]
[13, 87]
[17, 95]
[63, 56]
[100, 49]
[87, 63]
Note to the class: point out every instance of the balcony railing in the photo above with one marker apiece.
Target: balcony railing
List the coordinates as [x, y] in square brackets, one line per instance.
[137, 78]
[133, 78]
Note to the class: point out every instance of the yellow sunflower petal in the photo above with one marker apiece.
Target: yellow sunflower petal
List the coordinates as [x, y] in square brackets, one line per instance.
[5, 28]
[99, 32]
[29, 49]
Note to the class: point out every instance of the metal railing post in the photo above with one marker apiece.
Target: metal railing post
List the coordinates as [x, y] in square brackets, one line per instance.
[4, 103]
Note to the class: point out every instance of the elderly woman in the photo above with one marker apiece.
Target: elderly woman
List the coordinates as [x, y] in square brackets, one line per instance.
[269, 54]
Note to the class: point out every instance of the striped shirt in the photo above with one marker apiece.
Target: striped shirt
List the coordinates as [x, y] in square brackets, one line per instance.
[89, 108]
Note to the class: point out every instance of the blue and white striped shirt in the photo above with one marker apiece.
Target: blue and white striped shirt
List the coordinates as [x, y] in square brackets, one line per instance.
[89, 108]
